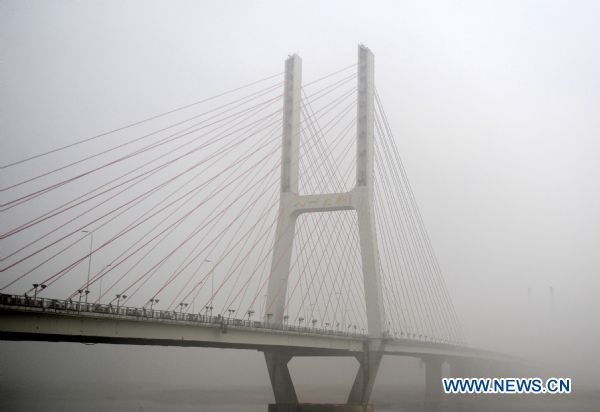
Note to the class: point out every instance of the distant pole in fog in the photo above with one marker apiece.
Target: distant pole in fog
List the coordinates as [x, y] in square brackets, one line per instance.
[87, 285]
[212, 281]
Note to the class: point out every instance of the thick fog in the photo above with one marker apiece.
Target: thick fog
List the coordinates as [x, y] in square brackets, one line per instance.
[493, 105]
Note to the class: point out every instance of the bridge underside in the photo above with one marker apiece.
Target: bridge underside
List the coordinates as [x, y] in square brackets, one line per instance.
[278, 345]
[29, 324]
[84, 328]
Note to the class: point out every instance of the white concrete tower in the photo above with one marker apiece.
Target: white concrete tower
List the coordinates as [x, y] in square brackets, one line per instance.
[359, 199]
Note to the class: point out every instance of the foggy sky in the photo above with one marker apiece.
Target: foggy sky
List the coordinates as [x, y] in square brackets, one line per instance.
[493, 106]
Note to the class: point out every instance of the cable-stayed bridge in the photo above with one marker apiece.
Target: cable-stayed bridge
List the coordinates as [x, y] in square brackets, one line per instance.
[276, 216]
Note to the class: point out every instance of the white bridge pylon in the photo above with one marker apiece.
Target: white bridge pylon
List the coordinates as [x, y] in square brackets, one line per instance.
[360, 198]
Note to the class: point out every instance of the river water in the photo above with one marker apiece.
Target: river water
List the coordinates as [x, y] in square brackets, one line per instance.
[56, 397]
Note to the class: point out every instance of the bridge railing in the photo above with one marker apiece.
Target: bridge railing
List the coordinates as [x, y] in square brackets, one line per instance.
[70, 306]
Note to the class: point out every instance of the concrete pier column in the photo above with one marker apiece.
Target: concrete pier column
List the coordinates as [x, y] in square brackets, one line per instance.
[281, 380]
[369, 362]
[461, 368]
[433, 384]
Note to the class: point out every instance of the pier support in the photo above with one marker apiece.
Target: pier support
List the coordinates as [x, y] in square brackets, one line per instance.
[461, 368]
[281, 380]
[369, 362]
[433, 384]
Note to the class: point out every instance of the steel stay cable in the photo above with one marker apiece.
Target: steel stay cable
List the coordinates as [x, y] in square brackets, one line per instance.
[397, 266]
[230, 272]
[320, 222]
[419, 218]
[330, 89]
[385, 230]
[263, 284]
[138, 122]
[329, 75]
[181, 267]
[197, 230]
[168, 139]
[391, 286]
[235, 180]
[276, 166]
[340, 116]
[45, 215]
[407, 256]
[191, 277]
[217, 239]
[279, 290]
[330, 257]
[259, 143]
[273, 202]
[65, 206]
[121, 234]
[345, 110]
[97, 219]
[411, 259]
[111, 219]
[412, 267]
[115, 265]
[203, 279]
[333, 172]
[434, 298]
[312, 251]
[385, 233]
[254, 96]
[347, 278]
[205, 200]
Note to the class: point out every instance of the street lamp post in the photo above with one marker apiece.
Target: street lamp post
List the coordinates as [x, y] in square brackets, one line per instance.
[80, 291]
[212, 282]
[181, 306]
[35, 289]
[119, 300]
[87, 284]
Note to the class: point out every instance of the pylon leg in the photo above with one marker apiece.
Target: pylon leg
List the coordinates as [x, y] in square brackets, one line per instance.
[433, 383]
[281, 380]
[369, 362]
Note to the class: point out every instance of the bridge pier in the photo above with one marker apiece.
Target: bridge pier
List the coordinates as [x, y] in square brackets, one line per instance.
[369, 362]
[461, 368]
[433, 384]
[281, 380]
[286, 399]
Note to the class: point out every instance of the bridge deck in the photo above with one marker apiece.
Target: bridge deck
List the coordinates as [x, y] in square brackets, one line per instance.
[56, 320]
